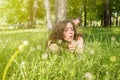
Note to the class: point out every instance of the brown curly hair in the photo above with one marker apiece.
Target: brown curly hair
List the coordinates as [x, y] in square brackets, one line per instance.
[57, 32]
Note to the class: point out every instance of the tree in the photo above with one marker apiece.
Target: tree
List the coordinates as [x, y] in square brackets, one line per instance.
[48, 14]
[30, 13]
[106, 14]
[60, 10]
[85, 12]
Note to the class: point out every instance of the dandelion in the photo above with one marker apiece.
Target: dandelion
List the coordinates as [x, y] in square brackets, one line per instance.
[22, 64]
[32, 49]
[112, 58]
[73, 42]
[25, 42]
[44, 56]
[13, 77]
[113, 38]
[92, 52]
[59, 41]
[88, 76]
[39, 47]
[21, 47]
[23, 69]
[54, 47]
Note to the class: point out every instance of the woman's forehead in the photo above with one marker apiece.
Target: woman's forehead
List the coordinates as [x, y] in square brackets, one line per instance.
[69, 24]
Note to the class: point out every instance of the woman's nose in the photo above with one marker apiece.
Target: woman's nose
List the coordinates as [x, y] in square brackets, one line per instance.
[70, 31]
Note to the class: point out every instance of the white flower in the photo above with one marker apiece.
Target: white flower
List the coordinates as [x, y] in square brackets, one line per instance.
[54, 47]
[73, 42]
[92, 52]
[32, 49]
[22, 63]
[44, 56]
[25, 42]
[59, 41]
[39, 47]
[113, 38]
[88, 76]
[21, 47]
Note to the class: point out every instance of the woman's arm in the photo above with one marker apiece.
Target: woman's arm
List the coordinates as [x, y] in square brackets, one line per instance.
[80, 44]
[77, 45]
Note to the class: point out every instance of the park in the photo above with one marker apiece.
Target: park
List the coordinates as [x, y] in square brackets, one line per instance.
[25, 26]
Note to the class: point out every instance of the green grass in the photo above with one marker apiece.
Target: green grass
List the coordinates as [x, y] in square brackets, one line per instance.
[100, 60]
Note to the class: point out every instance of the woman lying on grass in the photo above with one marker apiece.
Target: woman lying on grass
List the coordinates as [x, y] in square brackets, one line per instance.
[65, 36]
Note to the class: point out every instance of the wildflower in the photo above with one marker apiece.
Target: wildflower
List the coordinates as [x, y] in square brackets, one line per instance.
[32, 49]
[112, 58]
[92, 52]
[113, 38]
[21, 47]
[22, 63]
[25, 42]
[44, 56]
[54, 47]
[13, 76]
[73, 42]
[88, 76]
[59, 41]
[39, 47]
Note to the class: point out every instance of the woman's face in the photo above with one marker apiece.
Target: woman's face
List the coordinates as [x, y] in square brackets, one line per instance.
[68, 33]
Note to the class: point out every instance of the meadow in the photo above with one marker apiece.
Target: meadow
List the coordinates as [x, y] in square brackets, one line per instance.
[100, 60]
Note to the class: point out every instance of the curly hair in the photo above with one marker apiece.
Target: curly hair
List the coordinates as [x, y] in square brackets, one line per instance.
[57, 32]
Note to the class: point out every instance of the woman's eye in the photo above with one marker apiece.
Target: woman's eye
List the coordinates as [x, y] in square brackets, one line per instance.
[65, 30]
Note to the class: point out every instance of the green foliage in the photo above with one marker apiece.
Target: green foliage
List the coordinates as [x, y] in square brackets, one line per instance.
[100, 60]
[75, 8]
[16, 11]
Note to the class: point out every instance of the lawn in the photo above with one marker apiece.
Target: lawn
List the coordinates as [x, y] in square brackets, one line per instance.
[100, 60]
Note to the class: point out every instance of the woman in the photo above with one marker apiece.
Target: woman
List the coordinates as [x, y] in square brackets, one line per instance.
[65, 33]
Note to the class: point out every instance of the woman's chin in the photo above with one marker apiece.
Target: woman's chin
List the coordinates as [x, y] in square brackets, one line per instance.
[70, 40]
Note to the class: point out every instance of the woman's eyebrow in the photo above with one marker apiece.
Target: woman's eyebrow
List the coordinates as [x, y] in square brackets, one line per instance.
[66, 28]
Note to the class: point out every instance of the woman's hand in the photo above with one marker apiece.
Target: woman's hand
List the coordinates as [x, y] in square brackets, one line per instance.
[72, 46]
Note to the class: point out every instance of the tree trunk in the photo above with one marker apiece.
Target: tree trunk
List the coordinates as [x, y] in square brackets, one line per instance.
[117, 19]
[35, 8]
[48, 14]
[110, 19]
[60, 10]
[30, 14]
[85, 15]
[106, 14]
[56, 10]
